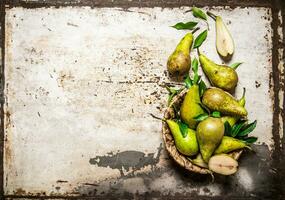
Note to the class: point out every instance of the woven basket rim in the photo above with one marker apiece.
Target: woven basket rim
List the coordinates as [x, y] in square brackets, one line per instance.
[179, 158]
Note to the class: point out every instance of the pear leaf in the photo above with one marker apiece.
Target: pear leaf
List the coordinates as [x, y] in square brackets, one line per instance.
[228, 128]
[216, 114]
[250, 140]
[184, 26]
[172, 93]
[247, 129]
[202, 87]
[195, 65]
[200, 39]
[235, 65]
[188, 82]
[183, 128]
[170, 97]
[198, 13]
[236, 128]
[201, 117]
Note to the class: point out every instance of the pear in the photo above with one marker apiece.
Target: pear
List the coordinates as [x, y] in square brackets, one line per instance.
[229, 144]
[221, 76]
[179, 61]
[199, 161]
[232, 119]
[209, 135]
[218, 100]
[224, 41]
[191, 107]
[223, 164]
[186, 145]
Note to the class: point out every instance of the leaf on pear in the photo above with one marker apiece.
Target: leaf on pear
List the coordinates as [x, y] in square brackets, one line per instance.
[195, 65]
[202, 87]
[235, 65]
[185, 26]
[201, 117]
[188, 82]
[236, 128]
[247, 129]
[197, 12]
[228, 128]
[170, 97]
[250, 140]
[200, 39]
[216, 114]
[183, 128]
[172, 93]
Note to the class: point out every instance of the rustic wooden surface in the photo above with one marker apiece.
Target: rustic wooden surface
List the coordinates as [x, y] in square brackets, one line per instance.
[79, 87]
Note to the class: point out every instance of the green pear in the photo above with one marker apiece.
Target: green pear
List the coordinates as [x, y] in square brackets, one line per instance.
[232, 119]
[191, 107]
[179, 61]
[186, 145]
[199, 161]
[209, 135]
[218, 100]
[224, 41]
[221, 76]
[229, 144]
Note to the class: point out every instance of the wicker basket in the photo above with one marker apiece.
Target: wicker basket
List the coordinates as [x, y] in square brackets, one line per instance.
[169, 142]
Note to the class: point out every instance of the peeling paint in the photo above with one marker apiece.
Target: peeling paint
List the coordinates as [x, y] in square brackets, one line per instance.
[127, 160]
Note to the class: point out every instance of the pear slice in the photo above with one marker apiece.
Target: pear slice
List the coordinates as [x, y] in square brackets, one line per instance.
[224, 41]
[223, 164]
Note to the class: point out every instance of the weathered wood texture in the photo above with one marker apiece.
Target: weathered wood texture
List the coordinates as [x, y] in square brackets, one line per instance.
[80, 84]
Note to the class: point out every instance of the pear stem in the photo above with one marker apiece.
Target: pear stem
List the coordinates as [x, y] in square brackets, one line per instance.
[196, 29]
[248, 147]
[198, 51]
[155, 117]
[213, 16]
[243, 93]
[212, 176]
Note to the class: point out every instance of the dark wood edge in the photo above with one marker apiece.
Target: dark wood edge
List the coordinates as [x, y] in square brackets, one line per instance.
[2, 97]
[138, 3]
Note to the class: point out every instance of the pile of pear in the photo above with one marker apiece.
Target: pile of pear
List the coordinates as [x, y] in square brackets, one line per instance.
[206, 144]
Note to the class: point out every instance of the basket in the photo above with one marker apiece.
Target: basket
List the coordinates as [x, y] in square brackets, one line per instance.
[179, 158]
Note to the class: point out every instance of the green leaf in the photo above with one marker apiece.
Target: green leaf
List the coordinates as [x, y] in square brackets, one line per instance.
[188, 82]
[184, 26]
[196, 78]
[250, 140]
[228, 128]
[172, 93]
[202, 87]
[200, 39]
[247, 129]
[216, 114]
[201, 117]
[183, 128]
[170, 97]
[235, 65]
[195, 65]
[236, 129]
[197, 12]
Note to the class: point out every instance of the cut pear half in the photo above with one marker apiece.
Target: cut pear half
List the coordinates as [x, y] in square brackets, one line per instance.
[223, 164]
[224, 41]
